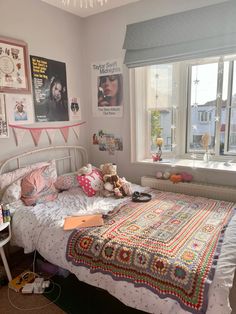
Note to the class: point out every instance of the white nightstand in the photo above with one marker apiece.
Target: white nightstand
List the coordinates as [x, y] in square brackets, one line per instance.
[2, 243]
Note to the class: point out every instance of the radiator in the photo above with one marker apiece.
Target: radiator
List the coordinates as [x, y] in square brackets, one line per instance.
[219, 192]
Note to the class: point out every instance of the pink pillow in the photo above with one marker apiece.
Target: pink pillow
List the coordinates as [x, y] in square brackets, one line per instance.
[67, 181]
[91, 183]
[37, 187]
[8, 178]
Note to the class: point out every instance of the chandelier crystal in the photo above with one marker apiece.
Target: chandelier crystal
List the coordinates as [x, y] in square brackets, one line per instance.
[85, 3]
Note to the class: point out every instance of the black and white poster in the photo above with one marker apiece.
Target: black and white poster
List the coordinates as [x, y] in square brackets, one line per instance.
[107, 87]
[49, 89]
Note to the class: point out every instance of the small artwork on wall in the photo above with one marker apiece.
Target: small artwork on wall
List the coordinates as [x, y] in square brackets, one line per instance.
[19, 109]
[75, 109]
[4, 130]
[14, 70]
[107, 142]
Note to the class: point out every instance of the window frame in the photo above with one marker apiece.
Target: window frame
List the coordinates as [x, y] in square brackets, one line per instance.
[183, 105]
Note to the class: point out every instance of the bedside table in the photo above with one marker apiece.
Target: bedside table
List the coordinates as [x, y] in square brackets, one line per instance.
[4, 241]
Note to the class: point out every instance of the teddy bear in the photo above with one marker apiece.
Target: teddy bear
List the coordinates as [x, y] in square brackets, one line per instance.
[108, 170]
[113, 184]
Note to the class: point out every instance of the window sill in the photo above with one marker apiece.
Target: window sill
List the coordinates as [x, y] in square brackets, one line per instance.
[187, 163]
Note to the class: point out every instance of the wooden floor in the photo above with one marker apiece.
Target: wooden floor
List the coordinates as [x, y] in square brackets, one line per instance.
[12, 302]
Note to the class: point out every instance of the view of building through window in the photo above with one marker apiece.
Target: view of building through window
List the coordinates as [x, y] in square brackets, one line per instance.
[205, 92]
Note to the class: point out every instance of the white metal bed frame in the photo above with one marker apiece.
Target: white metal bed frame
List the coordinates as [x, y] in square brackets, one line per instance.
[68, 158]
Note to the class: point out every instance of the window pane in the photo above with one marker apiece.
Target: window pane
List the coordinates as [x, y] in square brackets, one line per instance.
[202, 107]
[232, 126]
[159, 104]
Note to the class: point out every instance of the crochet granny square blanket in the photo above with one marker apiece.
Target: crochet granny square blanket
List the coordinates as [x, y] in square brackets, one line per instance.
[169, 245]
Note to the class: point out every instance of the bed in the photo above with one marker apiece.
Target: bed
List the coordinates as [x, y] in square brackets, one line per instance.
[40, 228]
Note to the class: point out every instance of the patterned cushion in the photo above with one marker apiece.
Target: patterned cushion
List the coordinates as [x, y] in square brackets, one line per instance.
[12, 193]
[38, 187]
[8, 178]
[91, 183]
[67, 181]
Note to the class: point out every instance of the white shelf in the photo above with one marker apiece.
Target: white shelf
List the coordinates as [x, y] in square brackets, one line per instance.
[4, 225]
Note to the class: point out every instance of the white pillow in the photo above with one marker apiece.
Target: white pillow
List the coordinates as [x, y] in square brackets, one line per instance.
[12, 193]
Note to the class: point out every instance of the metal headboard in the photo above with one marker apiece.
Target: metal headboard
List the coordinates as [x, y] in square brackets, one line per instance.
[68, 158]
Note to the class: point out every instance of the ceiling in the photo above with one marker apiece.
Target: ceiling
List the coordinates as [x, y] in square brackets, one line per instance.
[74, 6]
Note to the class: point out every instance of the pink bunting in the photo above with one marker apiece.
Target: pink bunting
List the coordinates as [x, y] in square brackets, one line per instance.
[51, 135]
[65, 133]
[50, 130]
[18, 135]
[36, 133]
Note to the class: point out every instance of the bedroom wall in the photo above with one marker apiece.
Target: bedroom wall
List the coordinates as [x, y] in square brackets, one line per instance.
[104, 40]
[61, 36]
[53, 34]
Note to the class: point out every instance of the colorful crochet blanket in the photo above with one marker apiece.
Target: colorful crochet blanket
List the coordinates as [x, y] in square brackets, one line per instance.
[169, 245]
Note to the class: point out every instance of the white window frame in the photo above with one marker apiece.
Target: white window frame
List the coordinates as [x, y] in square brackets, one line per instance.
[139, 116]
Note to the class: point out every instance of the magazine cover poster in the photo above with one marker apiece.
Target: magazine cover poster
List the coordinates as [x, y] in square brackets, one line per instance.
[49, 89]
[107, 87]
[19, 109]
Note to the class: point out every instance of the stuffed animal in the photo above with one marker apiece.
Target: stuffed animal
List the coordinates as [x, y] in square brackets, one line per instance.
[186, 177]
[108, 169]
[85, 170]
[176, 178]
[126, 188]
[113, 184]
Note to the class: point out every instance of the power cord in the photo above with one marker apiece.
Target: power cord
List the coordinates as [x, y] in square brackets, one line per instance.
[37, 307]
[33, 272]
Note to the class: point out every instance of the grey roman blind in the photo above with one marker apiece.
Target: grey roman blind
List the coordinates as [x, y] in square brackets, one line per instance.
[203, 32]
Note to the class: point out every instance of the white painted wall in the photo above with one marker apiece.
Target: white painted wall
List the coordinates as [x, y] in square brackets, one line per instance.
[61, 36]
[53, 34]
[104, 40]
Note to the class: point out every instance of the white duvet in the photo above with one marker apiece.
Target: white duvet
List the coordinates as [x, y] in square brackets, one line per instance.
[40, 228]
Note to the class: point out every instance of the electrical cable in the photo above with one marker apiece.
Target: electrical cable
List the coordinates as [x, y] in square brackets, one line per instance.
[36, 307]
[33, 267]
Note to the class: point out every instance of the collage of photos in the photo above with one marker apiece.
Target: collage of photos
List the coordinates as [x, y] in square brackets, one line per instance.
[107, 142]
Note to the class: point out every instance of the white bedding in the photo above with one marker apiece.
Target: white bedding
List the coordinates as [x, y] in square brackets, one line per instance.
[40, 228]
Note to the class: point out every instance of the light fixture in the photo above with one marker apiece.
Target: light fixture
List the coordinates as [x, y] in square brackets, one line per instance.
[85, 3]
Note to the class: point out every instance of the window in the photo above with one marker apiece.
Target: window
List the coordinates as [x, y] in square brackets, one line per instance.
[184, 103]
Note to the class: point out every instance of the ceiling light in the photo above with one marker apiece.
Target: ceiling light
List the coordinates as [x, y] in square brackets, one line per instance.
[85, 3]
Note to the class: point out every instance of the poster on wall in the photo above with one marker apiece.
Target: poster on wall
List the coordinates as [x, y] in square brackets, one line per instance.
[75, 109]
[19, 109]
[14, 70]
[107, 88]
[4, 131]
[49, 89]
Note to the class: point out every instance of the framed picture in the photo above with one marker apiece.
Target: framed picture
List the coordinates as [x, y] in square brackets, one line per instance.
[4, 130]
[14, 66]
[19, 108]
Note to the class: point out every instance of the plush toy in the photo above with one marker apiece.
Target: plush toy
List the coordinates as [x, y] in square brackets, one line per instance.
[159, 175]
[166, 175]
[108, 169]
[176, 178]
[186, 177]
[85, 170]
[113, 184]
[126, 188]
